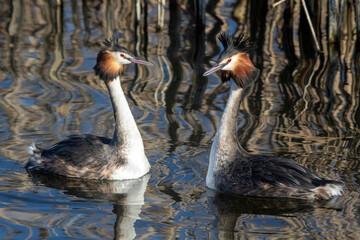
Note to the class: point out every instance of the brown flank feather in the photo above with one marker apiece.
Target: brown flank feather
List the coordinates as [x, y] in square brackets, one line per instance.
[244, 72]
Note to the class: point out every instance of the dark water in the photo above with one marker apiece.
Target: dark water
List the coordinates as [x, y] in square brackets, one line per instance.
[304, 106]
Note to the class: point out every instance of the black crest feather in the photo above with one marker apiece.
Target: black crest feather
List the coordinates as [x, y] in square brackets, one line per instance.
[239, 43]
[112, 45]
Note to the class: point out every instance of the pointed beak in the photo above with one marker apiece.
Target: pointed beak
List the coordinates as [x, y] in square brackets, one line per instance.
[215, 68]
[140, 61]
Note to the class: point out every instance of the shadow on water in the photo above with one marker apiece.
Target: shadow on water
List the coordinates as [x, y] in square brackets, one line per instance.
[126, 196]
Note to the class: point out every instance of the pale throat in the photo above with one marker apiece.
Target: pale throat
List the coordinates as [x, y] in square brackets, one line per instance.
[226, 147]
[227, 130]
[126, 131]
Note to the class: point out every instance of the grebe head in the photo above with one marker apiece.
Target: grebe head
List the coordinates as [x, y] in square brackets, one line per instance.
[112, 58]
[234, 61]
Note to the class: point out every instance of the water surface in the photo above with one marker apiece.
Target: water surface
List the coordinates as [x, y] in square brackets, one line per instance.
[304, 106]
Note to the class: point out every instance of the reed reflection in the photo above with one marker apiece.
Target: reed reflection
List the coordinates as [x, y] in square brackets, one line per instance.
[282, 52]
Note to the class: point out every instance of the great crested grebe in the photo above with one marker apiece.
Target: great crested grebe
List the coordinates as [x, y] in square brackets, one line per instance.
[93, 157]
[234, 170]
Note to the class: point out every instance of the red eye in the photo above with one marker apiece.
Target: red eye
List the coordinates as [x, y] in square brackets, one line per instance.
[229, 60]
[122, 55]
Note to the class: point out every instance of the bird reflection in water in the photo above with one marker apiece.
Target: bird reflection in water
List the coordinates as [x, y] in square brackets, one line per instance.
[228, 209]
[126, 195]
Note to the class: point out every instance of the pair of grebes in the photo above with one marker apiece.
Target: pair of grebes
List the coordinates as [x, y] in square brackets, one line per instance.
[231, 168]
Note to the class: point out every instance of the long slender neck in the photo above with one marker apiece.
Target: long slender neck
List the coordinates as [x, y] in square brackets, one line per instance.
[226, 146]
[227, 130]
[126, 133]
[228, 124]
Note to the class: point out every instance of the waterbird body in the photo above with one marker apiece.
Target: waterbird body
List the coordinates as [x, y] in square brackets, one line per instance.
[234, 170]
[93, 157]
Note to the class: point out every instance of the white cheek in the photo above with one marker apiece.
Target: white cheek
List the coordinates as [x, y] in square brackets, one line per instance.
[229, 66]
[121, 59]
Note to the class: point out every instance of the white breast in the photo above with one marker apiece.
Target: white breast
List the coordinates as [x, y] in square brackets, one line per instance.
[210, 181]
[134, 168]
